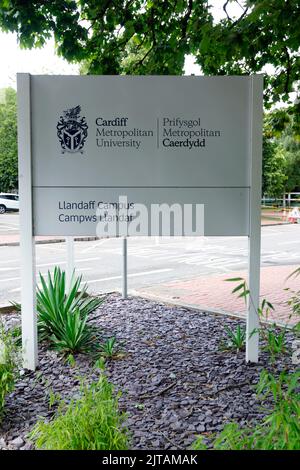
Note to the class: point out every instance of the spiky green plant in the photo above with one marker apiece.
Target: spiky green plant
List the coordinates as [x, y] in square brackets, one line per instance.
[63, 313]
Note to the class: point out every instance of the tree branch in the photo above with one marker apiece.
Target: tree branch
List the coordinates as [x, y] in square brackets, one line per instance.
[288, 70]
[186, 19]
[239, 19]
[143, 58]
[225, 10]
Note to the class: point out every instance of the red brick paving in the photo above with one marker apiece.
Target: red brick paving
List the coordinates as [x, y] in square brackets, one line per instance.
[212, 292]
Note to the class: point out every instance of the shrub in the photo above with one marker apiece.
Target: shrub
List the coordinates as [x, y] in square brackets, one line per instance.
[91, 422]
[63, 316]
[8, 366]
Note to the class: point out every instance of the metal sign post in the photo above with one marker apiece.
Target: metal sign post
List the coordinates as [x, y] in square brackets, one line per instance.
[27, 244]
[70, 261]
[124, 266]
[254, 239]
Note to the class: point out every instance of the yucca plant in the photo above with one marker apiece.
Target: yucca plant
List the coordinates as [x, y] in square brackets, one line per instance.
[63, 314]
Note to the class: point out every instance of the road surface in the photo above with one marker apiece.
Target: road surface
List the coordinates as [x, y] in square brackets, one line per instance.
[150, 260]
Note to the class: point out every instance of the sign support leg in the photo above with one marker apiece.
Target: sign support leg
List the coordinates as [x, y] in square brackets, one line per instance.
[252, 341]
[252, 335]
[27, 242]
[70, 261]
[124, 272]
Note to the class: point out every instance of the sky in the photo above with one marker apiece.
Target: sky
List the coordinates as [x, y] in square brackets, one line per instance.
[45, 61]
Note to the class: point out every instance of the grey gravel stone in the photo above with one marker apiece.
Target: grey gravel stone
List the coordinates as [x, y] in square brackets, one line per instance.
[17, 442]
[201, 428]
[2, 443]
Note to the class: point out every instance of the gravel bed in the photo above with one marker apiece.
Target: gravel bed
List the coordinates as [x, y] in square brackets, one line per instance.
[175, 380]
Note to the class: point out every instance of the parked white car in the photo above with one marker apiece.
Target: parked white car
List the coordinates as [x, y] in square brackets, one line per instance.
[9, 202]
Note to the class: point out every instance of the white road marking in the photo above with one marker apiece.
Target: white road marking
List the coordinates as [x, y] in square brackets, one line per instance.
[297, 242]
[10, 261]
[10, 269]
[51, 246]
[56, 263]
[143, 273]
[10, 279]
[18, 278]
[96, 245]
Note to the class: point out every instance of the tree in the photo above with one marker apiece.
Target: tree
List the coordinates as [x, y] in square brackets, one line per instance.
[266, 33]
[154, 36]
[293, 172]
[281, 153]
[289, 141]
[273, 171]
[8, 141]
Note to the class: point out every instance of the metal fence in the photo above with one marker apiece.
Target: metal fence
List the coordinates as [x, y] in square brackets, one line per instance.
[287, 200]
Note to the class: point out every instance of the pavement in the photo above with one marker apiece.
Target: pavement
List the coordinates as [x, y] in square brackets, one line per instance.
[214, 293]
[9, 227]
[10, 236]
[274, 216]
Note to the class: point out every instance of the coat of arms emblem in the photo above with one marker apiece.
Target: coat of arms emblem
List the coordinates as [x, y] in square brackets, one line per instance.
[72, 130]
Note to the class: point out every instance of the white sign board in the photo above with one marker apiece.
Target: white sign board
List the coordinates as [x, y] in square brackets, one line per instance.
[154, 140]
[96, 150]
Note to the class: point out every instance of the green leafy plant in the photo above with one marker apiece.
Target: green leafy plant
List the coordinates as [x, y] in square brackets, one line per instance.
[70, 359]
[275, 341]
[91, 422]
[54, 398]
[8, 365]
[274, 338]
[241, 288]
[235, 338]
[100, 363]
[108, 349]
[294, 300]
[16, 333]
[63, 315]
[279, 430]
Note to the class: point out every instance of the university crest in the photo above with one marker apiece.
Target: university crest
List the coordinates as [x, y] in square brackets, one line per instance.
[72, 130]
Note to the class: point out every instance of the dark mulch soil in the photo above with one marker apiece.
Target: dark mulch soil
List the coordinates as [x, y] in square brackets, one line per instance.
[175, 380]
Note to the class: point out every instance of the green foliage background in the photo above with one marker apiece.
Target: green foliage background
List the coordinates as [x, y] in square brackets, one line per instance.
[281, 152]
[8, 141]
[153, 37]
